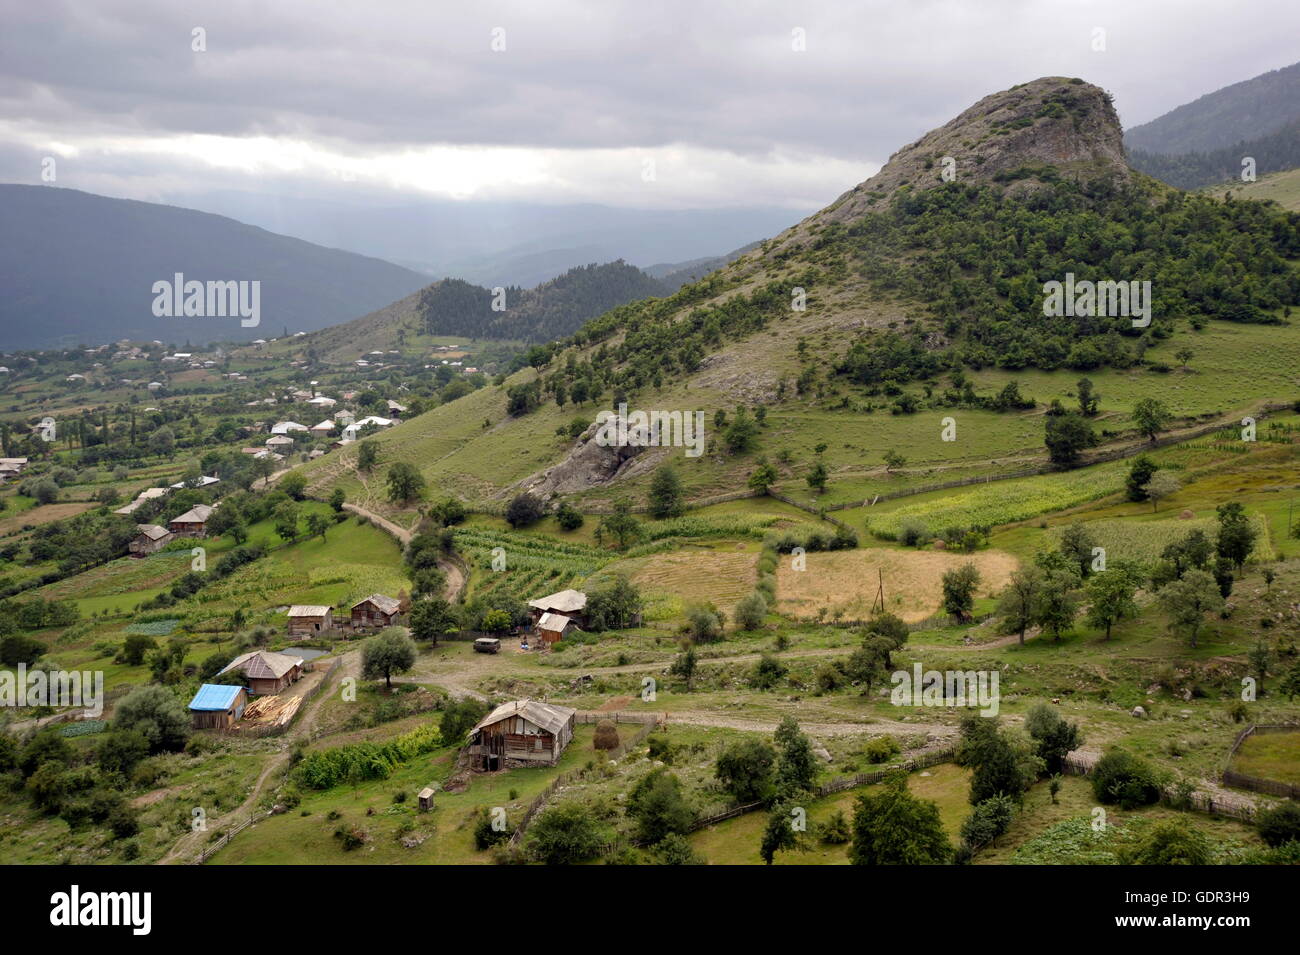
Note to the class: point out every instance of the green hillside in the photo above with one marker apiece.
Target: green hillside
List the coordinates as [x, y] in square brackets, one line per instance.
[922, 302]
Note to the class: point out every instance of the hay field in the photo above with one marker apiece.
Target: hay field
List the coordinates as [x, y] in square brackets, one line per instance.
[847, 580]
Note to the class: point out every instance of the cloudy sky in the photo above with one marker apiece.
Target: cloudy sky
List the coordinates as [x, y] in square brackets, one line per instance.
[669, 104]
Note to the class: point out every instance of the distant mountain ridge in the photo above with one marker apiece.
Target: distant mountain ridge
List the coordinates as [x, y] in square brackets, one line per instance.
[80, 268]
[1276, 152]
[454, 307]
[1244, 111]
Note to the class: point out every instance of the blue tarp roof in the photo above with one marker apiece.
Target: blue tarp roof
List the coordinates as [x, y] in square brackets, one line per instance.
[212, 696]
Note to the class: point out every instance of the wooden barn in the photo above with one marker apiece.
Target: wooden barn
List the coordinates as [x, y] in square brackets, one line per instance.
[569, 603]
[266, 672]
[553, 627]
[149, 540]
[375, 611]
[521, 733]
[306, 620]
[193, 523]
[217, 707]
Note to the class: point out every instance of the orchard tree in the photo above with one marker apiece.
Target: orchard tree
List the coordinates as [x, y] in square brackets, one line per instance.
[385, 654]
[1188, 600]
[893, 827]
[1164, 483]
[1018, 604]
[1110, 595]
[405, 482]
[959, 585]
[1150, 416]
[763, 477]
[431, 617]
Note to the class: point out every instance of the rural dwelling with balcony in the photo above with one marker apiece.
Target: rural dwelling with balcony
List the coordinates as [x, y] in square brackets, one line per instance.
[149, 539]
[266, 672]
[521, 733]
[193, 523]
[568, 603]
[375, 612]
[306, 620]
[217, 707]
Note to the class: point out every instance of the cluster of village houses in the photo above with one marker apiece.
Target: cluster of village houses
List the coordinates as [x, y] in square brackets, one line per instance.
[517, 733]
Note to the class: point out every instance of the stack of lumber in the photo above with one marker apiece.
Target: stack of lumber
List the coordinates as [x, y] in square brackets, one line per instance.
[271, 710]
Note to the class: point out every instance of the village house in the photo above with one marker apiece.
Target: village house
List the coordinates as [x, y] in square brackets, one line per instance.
[202, 481]
[323, 429]
[568, 603]
[279, 441]
[148, 494]
[217, 707]
[193, 523]
[266, 672]
[376, 611]
[149, 540]
[308, 619]
[521, 733]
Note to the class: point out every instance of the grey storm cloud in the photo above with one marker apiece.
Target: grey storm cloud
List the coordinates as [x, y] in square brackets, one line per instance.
[722, 76]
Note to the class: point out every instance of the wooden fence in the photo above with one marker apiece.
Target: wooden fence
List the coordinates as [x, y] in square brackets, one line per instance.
[1216, 804]
[226, 836]
[1259, 784]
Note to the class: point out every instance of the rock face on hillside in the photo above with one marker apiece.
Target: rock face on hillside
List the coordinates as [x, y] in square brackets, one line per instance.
[1054, 121]
[590, 464]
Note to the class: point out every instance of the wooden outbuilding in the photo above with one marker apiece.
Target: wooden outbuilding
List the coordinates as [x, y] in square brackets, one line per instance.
[217, 707]
[306, 620]
[266, 672]
[149, 540]
[552, 628]
[376, 611]
[521, 733]
[426, 799]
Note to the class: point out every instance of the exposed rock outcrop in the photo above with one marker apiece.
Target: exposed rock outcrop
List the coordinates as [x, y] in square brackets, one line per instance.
[590, 464]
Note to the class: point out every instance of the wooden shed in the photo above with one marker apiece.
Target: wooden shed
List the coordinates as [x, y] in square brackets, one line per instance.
[217, 707]
[149, 540]
[521, 733]
[376, 611]
[552, 628]
[426, 799]
[306, 620]
[266, 672]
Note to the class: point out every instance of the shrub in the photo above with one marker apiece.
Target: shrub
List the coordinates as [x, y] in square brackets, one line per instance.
[750, 611]
[1280, 825]
[1122, 778]
[487, 835]
[912, 532]
[1169, 843]
[881, 749]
